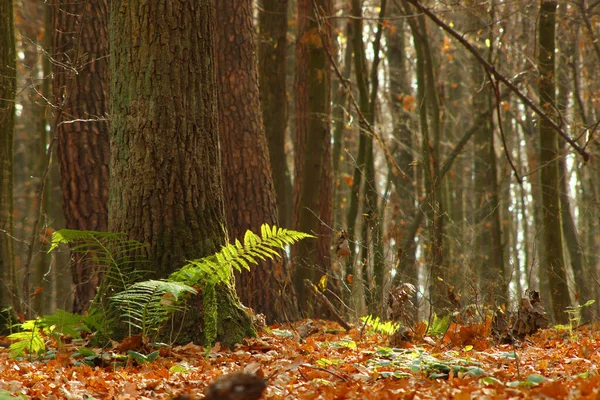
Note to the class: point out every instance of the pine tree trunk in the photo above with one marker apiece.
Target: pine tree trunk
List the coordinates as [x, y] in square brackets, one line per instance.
[165, 165]
[81, 84]
[8, 87]
[247, 182]
[552, 235]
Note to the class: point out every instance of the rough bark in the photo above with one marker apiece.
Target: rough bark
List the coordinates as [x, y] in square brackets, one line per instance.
[272, 59]
[8, 87]
[81, 81]
[247, 181]
[165, 165]
[553, 259]
[312, 212]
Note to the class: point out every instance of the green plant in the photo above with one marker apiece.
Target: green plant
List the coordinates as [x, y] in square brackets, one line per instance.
[376, 325]
[148, 305]
[439, 326]
[116, 257]
[31, 335]
[218, 268]
[574, 314]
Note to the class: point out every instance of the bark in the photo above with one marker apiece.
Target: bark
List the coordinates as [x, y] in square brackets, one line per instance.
[313, 191]
[553, 259]
[489, 254]
[339, 117]
[428, 107]
[81, 83]
[272, 59]
[165, 165]
[574, 250]
[407, 269]
[8, 87]
[248, 185]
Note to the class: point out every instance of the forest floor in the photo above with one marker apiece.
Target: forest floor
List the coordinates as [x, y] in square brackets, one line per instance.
[330, 363]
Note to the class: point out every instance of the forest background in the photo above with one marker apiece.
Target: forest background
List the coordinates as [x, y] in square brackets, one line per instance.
[450, 146]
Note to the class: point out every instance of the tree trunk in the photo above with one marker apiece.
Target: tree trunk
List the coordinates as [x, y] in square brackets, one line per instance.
[165, 165]
[8, 87]
[489, 254]
[81, 81]
[272, 49]
[553, 260]
[312, 212]
[247, 182]
[407, 270]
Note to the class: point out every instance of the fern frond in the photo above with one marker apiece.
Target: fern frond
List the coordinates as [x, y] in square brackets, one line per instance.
[217, 268]
[146, 305]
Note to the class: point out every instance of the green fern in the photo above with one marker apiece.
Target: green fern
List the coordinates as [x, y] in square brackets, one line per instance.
[147, 305]
[115, 255]
[218, 268]
[377, 325]
[439, 326]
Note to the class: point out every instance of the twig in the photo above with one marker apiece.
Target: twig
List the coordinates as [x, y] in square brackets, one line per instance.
[327, 304]
[324, 370]
[496, 89]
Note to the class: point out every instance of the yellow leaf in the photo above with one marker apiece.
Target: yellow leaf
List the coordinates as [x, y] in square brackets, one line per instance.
[323, 283]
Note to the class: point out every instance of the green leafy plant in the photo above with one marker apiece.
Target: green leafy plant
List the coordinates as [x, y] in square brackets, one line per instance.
[439, 326]
[376, 325]
[574, 314]
[142, 358]
[29, 340]
[32, 333]
[147, 305]
[116, 257]
[218, 268]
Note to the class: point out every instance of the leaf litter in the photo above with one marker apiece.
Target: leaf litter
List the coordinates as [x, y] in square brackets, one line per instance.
[329, 363]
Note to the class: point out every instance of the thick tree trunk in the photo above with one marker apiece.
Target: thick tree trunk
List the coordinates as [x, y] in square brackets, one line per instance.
[165, 165]
[272, 59]
[8, 87]
[312, 212]
[81, 82]
[247, 182]
[552, 235]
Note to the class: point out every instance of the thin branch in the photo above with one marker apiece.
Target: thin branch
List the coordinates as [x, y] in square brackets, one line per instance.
[496, 88]
[492, 70]
[321, 297]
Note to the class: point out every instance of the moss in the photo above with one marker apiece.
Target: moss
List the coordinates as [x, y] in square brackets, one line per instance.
[209, 300]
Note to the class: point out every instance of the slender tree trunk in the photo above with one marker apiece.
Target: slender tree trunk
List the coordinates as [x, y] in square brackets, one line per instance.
[552, 235]
[165, 164]
[313, 191]
[247, 182]
[339, 116]
[8, 87]
[42, 301]
[489, 257]
[81, 82]
[272, 59]
[400, 89]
